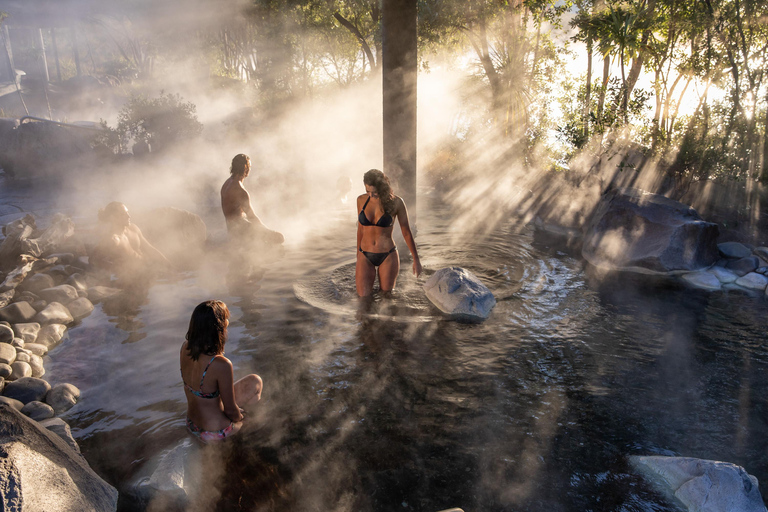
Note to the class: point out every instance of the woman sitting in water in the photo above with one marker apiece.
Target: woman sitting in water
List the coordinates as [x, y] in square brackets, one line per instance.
[379, 207]
[213, 398]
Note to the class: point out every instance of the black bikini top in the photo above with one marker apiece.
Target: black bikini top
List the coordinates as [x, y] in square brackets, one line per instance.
[384, 221]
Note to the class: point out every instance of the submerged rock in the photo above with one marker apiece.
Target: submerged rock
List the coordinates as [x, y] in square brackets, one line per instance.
[635, 230]
[704, 485]
[752, 281]
[459, 293]
[724, 275]
[98, 293]
[743, 266]
[43, 472]
[703, 279]
[80, 308]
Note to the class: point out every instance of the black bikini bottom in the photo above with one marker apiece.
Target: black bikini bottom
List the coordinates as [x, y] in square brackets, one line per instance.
[377, 258]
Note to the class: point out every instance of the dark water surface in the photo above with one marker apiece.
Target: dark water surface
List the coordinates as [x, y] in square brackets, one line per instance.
[389, 406]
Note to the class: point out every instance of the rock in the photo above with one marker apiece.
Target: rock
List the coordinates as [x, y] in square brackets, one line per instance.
[63, 294]
[743, 266]
[50, 335]
[77, 281]
[82, 293]
[5, 370]
[753, 281]
[762, 270]
[20, 370]
[724, 275]
[36, 283]
[7, 353]
[6, 334]
[39, 305]
[178, 234]
[61, 428]
[27, 331]
[39, 349]
[15, 277]
[169, 476]
[62, 397]
[43, 472]
[54, 313]
[702, 279]
[37, 411]
[6, 297]
[704, 485]
[12, 402]
[456, 291]
[639, 231]
[59, 273]
[23, 357]
[98, 293]
[27, 389]
[80, 308]
[18, 312]
[66, 258]
[17, 343]
[55, 234]
[761, 252]
[734, 250]
[36, 364]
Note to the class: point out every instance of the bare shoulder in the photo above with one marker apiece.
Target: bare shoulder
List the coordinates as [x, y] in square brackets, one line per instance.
[360, 199]
[399, 204]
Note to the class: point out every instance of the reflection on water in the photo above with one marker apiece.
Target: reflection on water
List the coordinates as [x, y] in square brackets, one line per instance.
[534, 409]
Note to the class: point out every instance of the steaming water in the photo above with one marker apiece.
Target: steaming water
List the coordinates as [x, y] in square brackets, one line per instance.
[389, 406]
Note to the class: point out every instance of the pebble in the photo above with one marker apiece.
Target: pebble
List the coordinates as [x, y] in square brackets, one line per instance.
[36, 363]
[38, 410]
[6, 334]
[20, 370]
[5, 370]
[753, 281]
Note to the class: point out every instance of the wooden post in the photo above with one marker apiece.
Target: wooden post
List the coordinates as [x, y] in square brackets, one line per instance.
[399, 76]
[56, 54]
[75, 51]
[41, 42]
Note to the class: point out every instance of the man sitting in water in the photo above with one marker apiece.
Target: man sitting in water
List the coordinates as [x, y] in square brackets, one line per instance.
[122, 248]
[242, 222]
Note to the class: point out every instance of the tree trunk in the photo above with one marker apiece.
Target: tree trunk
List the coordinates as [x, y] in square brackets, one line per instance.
[399, 78]
[588, 93]
[606, 75]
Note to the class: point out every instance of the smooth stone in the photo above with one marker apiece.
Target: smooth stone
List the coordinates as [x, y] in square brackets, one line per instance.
[753, 281]
[5, 370]
[703, 485]
[17, 343]
[63, 294]
[7, 353]
[80, 308]
[38, 349]
[43, 472]
[723, 274]
[36, 283]
[457, 292]
[733, 250]
[761, 252]
[82, 293]
[37, 411]
[36, 363]
[18, 312]
[28, 331]
[23, 357]
[762, 270]
[54, 313]
[77, 281]
[171, 476]
[39, 305]
[27, 389]
[702, 279]
[62, 397]
[61, 428]
[20, 370]
[6, 334]
[66, 258]
[98, 293]
[59, 273]
[50, 335]
[743, 266]
[12, 402]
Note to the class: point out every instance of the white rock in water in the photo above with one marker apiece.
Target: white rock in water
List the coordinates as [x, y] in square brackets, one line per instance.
[20, 370]
[99, 293]
[459, 293]
[50, 335]
[723, 274]
[80, 308]
[63, 294]
[704, 485]
[753, 281]
[170, 473]
[36, 363]
[702, 279]
[36, 348]
[27, 332]
[54, 313]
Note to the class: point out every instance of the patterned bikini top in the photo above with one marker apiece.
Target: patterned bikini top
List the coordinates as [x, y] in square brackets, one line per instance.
[195, 392]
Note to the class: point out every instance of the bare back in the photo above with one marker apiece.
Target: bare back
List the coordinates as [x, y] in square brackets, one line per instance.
[235, 200]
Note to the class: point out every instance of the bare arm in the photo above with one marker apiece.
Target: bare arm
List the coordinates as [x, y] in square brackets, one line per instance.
[248, 209]
[226, 383]
[405, 227]
[359, 227]
[151, 251]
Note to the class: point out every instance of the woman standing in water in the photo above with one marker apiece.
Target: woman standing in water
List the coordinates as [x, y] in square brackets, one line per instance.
[379, 207]
[213, 398]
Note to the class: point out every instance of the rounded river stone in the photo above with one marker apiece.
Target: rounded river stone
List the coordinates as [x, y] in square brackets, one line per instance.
[51, 334]
[12, 402]
[63, 294]
[80, 308]
[5, 370]
[62, 397]
[38, 410]
[18, 312]
[27, 389]
[5, 335]
[20, 370]
[7, 353]
[54, 313]
[36, 363]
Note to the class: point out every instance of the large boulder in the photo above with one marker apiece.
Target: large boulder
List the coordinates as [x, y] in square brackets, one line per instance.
[178, 234]
[703, 485]
[40, 471]
[459, 293]
[54, 313]
[638, 231]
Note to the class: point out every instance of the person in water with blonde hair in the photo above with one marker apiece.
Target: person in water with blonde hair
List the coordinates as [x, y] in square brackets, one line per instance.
[122, 248]
[379, 207]
[214, 399]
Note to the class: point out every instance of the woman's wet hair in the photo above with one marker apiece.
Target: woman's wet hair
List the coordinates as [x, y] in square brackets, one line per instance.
[378, 180]
[108, 212]
[207, 331]
[239, 163]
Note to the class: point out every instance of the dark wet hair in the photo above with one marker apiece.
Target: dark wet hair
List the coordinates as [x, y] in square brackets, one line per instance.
[207, 331]
[378, 180]
[107, 213]
[239, 164]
